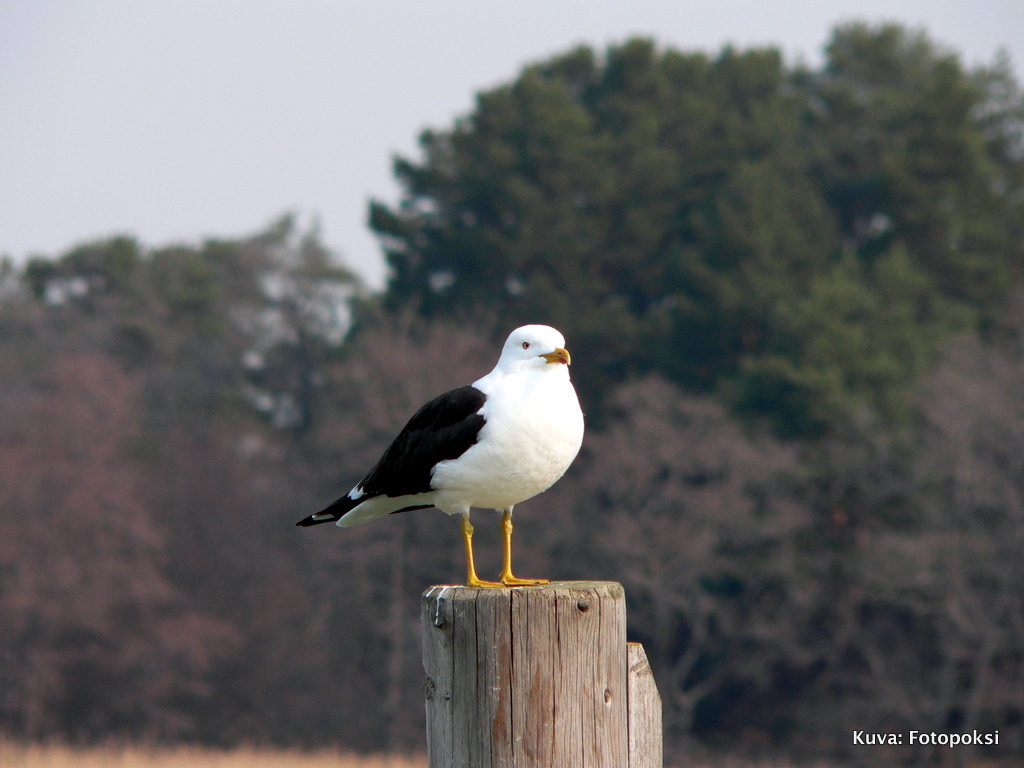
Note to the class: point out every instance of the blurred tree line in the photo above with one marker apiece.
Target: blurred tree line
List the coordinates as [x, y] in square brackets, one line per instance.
[793, 300]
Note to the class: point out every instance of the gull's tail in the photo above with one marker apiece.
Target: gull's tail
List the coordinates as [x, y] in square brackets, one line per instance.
[333, 513]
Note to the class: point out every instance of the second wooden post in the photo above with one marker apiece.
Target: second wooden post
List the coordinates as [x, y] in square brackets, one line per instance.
[526, 677]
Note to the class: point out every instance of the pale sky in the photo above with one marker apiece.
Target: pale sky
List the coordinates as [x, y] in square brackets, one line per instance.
[177, 120]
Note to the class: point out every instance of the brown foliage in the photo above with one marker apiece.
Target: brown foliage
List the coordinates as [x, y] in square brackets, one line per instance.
[152, 582]
[97, 635]
[926, 579]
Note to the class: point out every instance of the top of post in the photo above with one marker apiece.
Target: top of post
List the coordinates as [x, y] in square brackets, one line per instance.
[612, 590]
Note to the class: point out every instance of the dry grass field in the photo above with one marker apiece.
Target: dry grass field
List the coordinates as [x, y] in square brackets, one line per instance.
[53, 756]
[57, 756]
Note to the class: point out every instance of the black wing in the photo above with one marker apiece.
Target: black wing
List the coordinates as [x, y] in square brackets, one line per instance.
[445, 428]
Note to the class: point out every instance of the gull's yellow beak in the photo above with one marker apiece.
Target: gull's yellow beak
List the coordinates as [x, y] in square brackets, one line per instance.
[558, 356]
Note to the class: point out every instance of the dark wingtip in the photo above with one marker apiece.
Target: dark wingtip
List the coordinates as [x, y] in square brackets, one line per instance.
[312, 520]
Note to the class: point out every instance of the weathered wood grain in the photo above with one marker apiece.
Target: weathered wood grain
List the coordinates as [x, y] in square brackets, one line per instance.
[438, 660]
[528, 677]
[645, 747]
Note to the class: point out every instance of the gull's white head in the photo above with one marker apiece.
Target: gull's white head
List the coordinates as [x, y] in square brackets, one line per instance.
[533, 347]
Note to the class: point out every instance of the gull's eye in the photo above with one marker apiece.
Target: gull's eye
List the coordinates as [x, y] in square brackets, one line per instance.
[526, 345]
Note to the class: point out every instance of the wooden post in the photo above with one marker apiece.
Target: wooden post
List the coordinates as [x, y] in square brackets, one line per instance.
[644, 711]
[535, 677]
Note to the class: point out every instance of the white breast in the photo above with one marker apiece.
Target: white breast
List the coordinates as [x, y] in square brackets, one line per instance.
[533, 432]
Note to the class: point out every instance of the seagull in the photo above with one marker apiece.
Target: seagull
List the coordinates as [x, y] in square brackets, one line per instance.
[491, 444]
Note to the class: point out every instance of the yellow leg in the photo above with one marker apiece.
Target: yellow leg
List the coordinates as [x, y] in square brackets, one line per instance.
[467, 542]
[506, 569]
